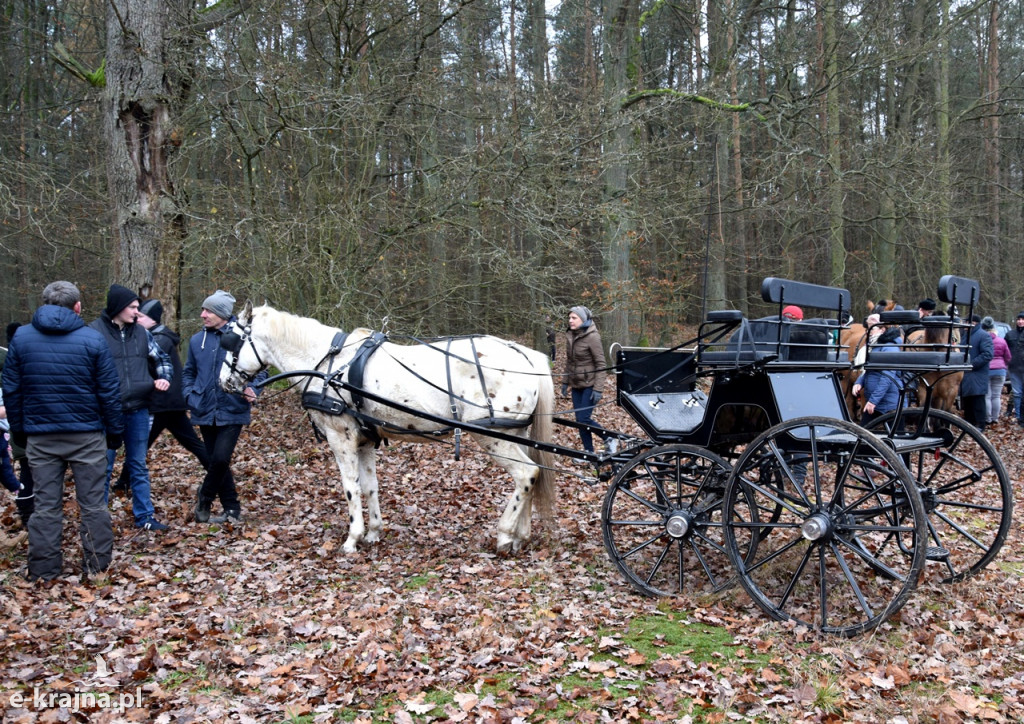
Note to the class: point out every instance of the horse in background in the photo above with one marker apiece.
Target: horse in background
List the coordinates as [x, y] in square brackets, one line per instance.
[945, 386]
[481, 380]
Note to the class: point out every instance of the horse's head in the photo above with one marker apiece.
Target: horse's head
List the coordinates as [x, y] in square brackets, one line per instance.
[244, 358]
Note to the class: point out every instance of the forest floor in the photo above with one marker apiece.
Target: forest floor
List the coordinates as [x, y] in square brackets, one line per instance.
[268, 621]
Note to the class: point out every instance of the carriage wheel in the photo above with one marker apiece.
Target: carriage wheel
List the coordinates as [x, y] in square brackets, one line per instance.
[824, 525]
[662, 521]
[966, 491]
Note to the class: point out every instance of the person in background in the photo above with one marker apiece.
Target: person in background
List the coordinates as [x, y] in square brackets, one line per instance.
[169, 411]
[142, 367]
[1015, 370]
[974, 385]
[926, 307]
[63, 400]
[219, 414]
[792, 313]
[7, 477]
[585, 374]
[25, 502]
[996, 370]
[881, 388]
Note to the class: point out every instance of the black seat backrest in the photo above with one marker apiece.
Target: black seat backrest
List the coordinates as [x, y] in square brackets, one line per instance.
[802, 294]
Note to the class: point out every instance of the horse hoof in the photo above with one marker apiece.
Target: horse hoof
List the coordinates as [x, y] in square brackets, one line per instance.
[349, 547]
[509, 546]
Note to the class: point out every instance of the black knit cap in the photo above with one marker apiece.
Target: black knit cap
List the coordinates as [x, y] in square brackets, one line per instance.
[927, 304]
[118, 298]
[153, 309]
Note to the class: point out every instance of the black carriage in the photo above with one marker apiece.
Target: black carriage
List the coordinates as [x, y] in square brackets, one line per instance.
[751, 470]
[754, 472]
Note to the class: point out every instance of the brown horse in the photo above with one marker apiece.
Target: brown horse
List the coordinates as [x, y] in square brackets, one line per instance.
[851, 339]
[945, 385]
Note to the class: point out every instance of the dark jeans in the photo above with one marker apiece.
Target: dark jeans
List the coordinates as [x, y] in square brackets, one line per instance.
[136, 432]
[220, 443]
[583, 407]
[177, 423]
[975, 409]
[50, 456]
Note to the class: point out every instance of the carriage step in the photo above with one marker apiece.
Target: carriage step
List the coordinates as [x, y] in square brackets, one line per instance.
[936, 553]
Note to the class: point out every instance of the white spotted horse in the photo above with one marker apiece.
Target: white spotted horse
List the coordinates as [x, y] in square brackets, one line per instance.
[481, 380]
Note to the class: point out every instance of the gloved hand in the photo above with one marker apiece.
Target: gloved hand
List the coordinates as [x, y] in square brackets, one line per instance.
[595, 397]
[565, 390]
[114, 441]
[19, 439]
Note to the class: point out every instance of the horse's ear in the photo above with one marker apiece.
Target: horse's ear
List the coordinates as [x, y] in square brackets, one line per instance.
[247, 311]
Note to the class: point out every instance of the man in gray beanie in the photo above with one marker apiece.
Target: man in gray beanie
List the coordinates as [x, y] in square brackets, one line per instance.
[220, 415]
[220, 303]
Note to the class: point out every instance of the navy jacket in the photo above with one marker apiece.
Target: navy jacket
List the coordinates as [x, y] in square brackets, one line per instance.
[1015, 341]
[60, 377]
[200, 383]
[975, 382]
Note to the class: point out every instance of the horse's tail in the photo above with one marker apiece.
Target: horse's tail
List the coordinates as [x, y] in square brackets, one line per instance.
[542, 430]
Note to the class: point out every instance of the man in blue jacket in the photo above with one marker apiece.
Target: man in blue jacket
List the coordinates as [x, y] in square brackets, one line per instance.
[219, 414]
[144, 370]
[64, 406]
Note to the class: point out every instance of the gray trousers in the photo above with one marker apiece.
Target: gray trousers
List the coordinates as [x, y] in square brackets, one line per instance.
[49, 456]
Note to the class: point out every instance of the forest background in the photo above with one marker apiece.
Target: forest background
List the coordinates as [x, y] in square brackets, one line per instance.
[479, 165]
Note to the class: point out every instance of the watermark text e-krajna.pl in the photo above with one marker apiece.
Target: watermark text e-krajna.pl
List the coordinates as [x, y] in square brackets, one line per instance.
[77, 700]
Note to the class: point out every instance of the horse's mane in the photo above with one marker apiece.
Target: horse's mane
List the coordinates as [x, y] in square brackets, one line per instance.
[298, 332]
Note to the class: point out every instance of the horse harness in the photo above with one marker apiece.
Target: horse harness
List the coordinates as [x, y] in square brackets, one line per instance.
[322, 401]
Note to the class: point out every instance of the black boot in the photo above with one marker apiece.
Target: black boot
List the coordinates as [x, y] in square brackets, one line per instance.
[202, 512]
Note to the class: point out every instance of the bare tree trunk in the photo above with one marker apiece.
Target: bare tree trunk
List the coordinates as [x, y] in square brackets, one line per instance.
[143, 84]
[619, 224]
[148, 223]
[833, 152]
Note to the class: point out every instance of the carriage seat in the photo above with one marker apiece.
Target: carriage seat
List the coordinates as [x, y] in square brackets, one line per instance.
[917, 361]
[771, 340]
[661, 415]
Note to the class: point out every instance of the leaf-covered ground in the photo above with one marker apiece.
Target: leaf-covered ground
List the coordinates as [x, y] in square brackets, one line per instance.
[269, 622]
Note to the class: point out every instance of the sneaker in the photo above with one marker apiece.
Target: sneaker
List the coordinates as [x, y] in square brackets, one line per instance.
[611, 445]
[235, 516]
[152, 524]
[202, 511]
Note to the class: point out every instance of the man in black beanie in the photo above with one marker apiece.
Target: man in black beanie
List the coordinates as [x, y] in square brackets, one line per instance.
[135, 354]
[168, 411]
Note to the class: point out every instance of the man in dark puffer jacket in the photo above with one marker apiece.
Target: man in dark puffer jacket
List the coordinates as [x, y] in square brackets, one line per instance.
[63, 400]
[144, 370]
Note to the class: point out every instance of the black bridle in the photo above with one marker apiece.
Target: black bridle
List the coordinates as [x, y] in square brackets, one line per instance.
[233, 342]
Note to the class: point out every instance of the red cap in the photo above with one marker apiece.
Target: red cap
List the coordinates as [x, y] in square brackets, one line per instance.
[792, 312]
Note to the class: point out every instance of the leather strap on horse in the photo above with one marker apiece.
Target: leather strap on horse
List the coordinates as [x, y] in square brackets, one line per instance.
[322, 402]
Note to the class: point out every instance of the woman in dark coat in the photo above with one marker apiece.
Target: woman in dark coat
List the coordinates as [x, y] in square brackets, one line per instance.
[585, 373]
[974, 385]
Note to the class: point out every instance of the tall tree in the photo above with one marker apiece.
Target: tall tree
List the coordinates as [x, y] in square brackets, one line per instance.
[150, 66]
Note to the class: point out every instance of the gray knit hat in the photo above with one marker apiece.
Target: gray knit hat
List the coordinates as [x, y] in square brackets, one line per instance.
[583, 313]
[988, 324]
[220, 303]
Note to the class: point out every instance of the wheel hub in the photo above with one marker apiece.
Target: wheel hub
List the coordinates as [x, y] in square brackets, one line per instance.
[678, 524]
[816, 527]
